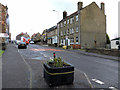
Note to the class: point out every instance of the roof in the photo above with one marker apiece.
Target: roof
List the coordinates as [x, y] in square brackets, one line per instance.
[116, 39]
[75, 13]
[52, 28]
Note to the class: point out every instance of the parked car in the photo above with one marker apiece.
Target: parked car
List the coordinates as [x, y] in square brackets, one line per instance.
[31, 42]
[17, 42]
[22, 45]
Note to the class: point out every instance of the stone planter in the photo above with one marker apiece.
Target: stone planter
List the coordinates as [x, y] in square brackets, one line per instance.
[58, 75]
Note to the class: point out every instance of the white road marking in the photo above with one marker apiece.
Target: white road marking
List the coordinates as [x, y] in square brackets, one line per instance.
[98, 81]
[30, 69]
[113, 88]
[88, 80]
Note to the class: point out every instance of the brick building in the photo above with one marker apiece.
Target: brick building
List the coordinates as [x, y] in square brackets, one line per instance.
[5, 35]
[85, 27]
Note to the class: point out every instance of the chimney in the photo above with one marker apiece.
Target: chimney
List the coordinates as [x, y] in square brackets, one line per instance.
[102, 7]
[80, 4]
[64, 14]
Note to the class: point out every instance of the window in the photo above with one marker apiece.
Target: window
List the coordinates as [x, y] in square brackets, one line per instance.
[64, 23]
[76, 39]
[76, 29]
[68, 31]
[77, 18]
[61, 41]
[72, 41]
[71, 31]
[68, 21]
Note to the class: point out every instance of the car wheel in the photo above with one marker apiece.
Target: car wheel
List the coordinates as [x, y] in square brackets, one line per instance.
[25, 47]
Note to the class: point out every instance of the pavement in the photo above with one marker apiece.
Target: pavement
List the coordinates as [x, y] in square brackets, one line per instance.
[18, 72]
[15, 73]
[95, 55]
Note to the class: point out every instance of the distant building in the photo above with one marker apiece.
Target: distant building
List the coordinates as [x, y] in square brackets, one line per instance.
[52, 35]
[115, 43]
[44, 37]
[85, 27]
[36, 37]
[18, 37]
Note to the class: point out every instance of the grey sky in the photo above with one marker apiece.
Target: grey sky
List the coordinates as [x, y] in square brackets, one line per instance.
[34, 16]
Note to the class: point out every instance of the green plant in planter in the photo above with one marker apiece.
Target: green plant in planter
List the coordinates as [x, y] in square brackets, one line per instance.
[56, 62]
[59, 62]
[58, 72]
[50, 61]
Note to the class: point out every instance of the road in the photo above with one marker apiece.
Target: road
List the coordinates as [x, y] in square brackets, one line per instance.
[24, 68]
[103, 73]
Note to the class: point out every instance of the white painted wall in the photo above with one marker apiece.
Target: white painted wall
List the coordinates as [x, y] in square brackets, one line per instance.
[113, 44]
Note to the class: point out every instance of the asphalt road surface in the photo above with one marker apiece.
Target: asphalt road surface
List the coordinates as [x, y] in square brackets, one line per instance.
[103, 73]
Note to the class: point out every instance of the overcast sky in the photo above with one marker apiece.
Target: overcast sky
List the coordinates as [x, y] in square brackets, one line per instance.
[34, 16]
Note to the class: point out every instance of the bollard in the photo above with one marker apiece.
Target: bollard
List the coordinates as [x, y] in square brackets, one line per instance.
[54, 54]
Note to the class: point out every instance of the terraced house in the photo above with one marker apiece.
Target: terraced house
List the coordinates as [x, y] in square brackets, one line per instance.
[52, 35]
[86, 27]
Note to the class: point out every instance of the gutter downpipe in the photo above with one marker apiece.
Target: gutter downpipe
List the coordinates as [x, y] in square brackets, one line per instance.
[79, 25]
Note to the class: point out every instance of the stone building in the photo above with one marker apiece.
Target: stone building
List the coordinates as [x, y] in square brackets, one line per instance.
[36, 37]
[44, 37]
[86, 27]
[18, 37]
[52, 35]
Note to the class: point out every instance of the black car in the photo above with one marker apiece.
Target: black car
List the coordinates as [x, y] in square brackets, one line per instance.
[22, 45]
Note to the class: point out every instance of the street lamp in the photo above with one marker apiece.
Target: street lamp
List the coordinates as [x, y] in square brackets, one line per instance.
[57, 13]
[57, 28]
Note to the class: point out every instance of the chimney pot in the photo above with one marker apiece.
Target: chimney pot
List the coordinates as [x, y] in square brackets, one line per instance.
[64, 14]
[102, 7]
[80, 4]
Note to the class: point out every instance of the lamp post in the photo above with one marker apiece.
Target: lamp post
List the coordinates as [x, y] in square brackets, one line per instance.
[57, 14]
[57, 28]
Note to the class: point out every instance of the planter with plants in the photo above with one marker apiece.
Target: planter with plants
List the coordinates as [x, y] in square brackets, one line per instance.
[58, 72]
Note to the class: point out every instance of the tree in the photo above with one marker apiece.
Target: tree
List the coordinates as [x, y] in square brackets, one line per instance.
[107, 39]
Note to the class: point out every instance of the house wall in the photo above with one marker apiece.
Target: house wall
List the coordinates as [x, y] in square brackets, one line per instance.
[113, 44]
[92, 27]
[65, 38]
[52, 37]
